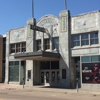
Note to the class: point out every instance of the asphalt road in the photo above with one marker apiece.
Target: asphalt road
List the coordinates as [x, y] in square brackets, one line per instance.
[38, 95]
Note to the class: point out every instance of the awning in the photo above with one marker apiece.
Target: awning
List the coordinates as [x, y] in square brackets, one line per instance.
[42, 55]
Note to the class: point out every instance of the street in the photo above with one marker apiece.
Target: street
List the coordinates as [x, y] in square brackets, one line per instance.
[39, 95]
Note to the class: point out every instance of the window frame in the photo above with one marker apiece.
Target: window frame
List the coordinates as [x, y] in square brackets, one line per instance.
[94, 38]
[12, 48]
[76, 40]
[38, 44]
[18, 48]
[55, 44]
[85, 39]
[47, 44]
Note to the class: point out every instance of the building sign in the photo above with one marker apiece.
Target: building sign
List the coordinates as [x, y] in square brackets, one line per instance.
[63, 24]
[91, 73]
[37, 28]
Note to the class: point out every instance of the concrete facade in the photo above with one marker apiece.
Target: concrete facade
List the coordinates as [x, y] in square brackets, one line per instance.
[64, 27]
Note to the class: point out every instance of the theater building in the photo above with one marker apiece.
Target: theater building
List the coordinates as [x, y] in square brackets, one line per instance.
[68, 49]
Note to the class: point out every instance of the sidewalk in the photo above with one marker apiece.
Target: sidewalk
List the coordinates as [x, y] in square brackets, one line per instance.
[48, 89]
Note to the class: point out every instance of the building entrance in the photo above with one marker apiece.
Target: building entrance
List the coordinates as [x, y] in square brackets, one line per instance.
[49, 72]
[45, 77]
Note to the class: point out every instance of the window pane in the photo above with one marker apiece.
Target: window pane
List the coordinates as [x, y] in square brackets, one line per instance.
[56, 43]
[94, 35]
[96, 41]
[16, 63]
[63, 73]
[38, 44]
[47, 44]
[54, 64]
[76, 37]
[95, 58]
[92, 41]
[12, 48]
[86, 59]
[85, 42]
[14, 73]
[11, 63]
[84, 36]
[45, 65]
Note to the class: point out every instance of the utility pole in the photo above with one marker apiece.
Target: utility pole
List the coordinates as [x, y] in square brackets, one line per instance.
[33, 9]
[65, 4]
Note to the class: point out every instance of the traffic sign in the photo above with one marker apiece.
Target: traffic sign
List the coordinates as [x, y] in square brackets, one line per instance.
[37, 28]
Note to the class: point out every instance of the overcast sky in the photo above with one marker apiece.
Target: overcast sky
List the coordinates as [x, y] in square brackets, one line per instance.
[15, 13]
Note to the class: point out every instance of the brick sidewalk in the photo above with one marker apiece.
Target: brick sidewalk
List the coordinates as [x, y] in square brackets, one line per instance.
[48, 89]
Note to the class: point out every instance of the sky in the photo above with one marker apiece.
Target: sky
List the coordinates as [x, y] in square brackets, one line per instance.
[15, 13]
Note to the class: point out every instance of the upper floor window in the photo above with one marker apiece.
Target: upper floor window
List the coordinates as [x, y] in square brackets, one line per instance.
[19, 47]
[12, 48]
[24, 47]
[94, 38]
[38, 44]
[85, 39]
[76, 40]
[56, 43]
[47, 44]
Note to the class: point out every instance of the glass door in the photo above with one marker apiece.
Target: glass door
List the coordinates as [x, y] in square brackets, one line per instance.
[42, 77]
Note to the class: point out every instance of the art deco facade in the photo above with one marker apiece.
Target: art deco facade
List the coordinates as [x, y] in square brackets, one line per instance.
[69, 49]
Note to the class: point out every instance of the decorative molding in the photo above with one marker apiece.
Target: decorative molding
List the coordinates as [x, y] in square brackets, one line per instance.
[63, 24]
[84, 22]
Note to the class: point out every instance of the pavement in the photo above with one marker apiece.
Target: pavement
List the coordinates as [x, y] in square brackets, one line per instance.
[49, 89]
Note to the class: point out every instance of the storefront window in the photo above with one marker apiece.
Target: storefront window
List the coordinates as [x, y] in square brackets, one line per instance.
[91, 73]
[86, 59]
[95, 58]
[14, 71]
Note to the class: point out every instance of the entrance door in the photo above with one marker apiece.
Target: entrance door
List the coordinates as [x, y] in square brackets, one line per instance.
[45, 78]
[42, 77]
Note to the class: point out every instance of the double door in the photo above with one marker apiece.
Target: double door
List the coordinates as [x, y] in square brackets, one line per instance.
[48, 77]
[45, 77]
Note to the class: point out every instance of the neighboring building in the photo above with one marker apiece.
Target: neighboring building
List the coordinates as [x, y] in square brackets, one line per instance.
[69, 49]
[1, 42]
[2, 58]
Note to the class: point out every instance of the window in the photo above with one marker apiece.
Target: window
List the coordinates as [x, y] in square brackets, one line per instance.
[76, 40]
[47, 44]
[54, 64]
[45, 65]
[86, 59]
[29, 74]
[63, 73]
[23, 47]
[85, 39]
[56, 43]
[94, 38]
[12, 48]
[77, 59]
[38, 44]
[95, 58]
[18, 47]
[14, 71]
